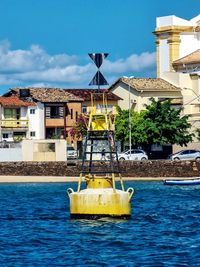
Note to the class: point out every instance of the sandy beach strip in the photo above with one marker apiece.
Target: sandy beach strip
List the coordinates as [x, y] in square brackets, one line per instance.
[65, 179]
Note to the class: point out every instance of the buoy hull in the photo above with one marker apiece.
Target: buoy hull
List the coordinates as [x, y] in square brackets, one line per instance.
[98, 203]
[99, 216]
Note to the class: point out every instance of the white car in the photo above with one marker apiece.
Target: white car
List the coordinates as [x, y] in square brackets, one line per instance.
[188, 154]
[71, 153]
[136, 154]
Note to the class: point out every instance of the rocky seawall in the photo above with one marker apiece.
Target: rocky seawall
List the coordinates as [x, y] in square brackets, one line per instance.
[154, 168]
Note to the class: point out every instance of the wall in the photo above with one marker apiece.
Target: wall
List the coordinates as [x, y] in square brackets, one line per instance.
[190, 85]
[43, 150]
[157, 168]
[76, 107]
[11, 154]
[176, 38]
[122, 91]
[111, 104]
[36, 121]
[171, 20]
[189, 43]
[140, 99]
[164, 61]
[193, 145]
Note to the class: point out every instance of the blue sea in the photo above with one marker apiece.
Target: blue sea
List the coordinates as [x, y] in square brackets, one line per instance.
[36, 229]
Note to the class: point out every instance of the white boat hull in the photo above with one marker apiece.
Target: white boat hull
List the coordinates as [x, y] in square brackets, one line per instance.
[183, 182]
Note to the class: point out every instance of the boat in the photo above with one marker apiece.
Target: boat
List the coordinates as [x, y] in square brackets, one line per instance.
[194, 181]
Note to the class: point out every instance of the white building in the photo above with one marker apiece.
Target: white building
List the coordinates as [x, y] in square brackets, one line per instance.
[20, 119]
[176, 38]
[36, 121]
[178, 60]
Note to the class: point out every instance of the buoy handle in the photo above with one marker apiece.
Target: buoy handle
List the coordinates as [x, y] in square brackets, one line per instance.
[69, 191]
[130, 190]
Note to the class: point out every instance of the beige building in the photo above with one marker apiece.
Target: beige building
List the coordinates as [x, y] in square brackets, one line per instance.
[141, 90]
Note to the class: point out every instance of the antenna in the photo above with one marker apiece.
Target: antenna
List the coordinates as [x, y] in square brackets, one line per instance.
[98, 79]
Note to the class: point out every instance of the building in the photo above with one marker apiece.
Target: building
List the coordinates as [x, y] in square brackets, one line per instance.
[16, 118]
[178, 60]
[139, 91]
[85, 94]
[47, 113]
[175, 39]
[52, 112]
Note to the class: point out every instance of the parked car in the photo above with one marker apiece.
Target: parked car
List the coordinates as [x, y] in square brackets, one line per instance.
[188, 154]
[136, 154]
[71, 153]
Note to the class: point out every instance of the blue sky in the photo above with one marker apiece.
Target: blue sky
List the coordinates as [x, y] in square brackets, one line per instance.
[46, 42]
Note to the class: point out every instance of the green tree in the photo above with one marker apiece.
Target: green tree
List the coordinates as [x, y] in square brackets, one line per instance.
[138, 134]
[166, 125]
[159, 123]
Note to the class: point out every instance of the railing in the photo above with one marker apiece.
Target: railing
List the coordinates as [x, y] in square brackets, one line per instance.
[12, 123]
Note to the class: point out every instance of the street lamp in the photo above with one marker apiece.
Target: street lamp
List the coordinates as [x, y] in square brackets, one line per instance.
[129, 114]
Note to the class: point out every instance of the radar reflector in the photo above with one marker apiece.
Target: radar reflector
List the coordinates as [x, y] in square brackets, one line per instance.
[98, 58]
[98, 79]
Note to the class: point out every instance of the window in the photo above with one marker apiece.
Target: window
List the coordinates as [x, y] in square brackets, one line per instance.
[71, 112]
[32, 111]
[76, 115]
[54, 112]
[185, 152]
[110, 108]
[84, 109]
[12, 113]
[32, 134]
[193, 151]
[5, 135]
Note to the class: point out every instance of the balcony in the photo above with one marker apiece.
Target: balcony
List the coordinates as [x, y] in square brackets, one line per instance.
[52, 122]
[13, 123]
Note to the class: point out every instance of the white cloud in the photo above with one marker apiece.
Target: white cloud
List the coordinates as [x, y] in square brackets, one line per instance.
[35, 66]
[132, 63]
[35, 58]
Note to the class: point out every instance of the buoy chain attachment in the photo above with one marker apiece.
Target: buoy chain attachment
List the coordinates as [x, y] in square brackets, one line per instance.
[130, 190]
[69, 191]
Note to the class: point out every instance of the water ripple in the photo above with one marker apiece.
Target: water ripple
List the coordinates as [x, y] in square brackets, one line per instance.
[36, 229]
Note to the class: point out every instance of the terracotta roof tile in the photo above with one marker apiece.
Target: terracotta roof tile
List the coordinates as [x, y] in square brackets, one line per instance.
[47, 95]
[148, 84]
[193, 58]
[86, 93]
[14, 101]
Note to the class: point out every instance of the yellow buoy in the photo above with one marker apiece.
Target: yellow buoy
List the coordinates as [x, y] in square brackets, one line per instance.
[100, 198]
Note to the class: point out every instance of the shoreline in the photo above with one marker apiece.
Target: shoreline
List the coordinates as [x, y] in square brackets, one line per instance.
[67, 179]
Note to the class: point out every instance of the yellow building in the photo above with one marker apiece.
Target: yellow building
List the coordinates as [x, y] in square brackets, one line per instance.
[85, 94]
